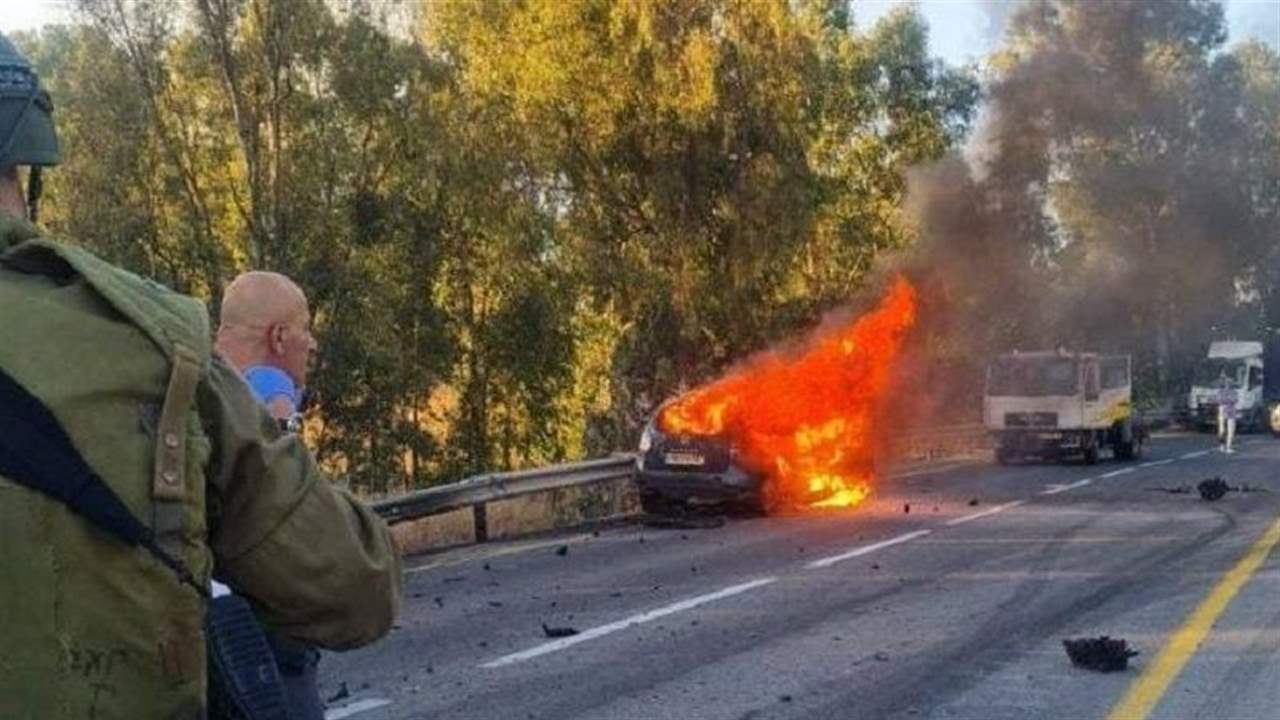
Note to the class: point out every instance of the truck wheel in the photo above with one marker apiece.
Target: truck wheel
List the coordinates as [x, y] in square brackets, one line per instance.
[1131, 450]
[1004, 456]
[1091, 452]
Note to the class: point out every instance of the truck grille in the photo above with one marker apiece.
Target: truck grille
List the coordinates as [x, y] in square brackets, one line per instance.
[1031, 419]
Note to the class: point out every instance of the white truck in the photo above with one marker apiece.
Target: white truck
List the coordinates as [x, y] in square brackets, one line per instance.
[1242, 363]
[1052, 404]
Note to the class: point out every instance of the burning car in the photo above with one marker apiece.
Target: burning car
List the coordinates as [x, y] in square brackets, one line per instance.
[684, 468]
[784, 429]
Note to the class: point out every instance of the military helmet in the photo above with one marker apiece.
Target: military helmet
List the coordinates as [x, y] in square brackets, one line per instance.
[27, 135]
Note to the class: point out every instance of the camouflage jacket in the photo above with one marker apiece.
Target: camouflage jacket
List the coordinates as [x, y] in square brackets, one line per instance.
[91, 628]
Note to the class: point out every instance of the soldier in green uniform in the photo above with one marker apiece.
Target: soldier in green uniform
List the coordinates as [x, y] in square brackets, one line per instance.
[91, 627]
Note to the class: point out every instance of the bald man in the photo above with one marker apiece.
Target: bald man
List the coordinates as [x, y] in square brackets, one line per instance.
[266, 334]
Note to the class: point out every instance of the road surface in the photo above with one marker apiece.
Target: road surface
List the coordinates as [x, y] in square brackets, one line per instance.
[947, 596]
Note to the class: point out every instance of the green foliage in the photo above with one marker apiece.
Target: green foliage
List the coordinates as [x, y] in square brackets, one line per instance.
[521, 224]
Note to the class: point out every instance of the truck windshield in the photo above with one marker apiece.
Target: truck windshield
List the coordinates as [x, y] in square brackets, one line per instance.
[1032, 377]
[1210, 371]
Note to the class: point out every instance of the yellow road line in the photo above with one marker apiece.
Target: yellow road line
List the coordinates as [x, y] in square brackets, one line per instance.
[1151, 686]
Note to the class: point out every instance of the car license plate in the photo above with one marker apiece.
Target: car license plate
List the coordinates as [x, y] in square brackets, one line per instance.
[685, 458]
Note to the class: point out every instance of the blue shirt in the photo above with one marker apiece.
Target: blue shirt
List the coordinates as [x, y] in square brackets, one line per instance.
[269, 383]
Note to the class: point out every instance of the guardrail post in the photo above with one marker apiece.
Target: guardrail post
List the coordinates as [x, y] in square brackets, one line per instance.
[481, 522]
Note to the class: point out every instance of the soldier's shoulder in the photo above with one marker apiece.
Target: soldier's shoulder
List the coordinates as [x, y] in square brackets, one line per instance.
[167, 316]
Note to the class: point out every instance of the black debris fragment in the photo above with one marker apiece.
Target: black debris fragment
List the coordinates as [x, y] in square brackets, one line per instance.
[906, 508]
[562, 550]
[973, 502]
[1104, 654]
[875, 566]
[439, 601]
[881, 657]
[495, 603]
[785, 698]
[486, 566]
[365, 686]
[558, 632]
[342, 694]
[455, 578]
[1213, 489]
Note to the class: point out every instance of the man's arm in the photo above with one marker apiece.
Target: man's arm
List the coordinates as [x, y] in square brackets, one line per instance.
[321, 567]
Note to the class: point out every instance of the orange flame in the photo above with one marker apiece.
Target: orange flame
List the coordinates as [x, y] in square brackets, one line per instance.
[806, 423]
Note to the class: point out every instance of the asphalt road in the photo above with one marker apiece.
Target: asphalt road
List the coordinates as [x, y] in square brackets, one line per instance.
[956, 608]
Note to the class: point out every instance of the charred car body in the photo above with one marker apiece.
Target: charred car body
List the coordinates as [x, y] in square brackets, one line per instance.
[677, 469]
[1052, 404]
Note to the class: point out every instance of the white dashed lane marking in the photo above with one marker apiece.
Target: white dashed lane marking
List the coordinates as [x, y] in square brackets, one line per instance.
[985, 513]
[856, 552]
[1055, 489]
[355, 708]
[603, 630]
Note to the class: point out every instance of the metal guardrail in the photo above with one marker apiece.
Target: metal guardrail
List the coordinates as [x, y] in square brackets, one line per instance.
[476, 491]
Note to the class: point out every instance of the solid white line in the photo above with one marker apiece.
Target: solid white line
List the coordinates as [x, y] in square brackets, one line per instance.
[1198, 453]
[1158, 463]
[1115, 473]
[358, 706]
[984, 513]
[1063, 488]
[603, 630]
[829, 561]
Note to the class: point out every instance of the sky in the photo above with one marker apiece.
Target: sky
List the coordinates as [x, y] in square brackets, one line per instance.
[960, 31]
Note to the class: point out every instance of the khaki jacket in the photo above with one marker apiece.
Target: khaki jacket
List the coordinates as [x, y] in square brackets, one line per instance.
[90, 628]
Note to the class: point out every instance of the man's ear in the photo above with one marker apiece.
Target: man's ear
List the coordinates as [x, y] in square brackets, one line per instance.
[276, 334]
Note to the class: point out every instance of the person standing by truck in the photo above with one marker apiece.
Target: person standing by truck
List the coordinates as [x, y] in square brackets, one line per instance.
[1228, 413]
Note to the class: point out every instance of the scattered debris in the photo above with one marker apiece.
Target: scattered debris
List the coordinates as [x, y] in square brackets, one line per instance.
[1213, 489]
[881, 657]
[558, 632]
[875, 566]
[495, 603]
[455, 578]
[615, 594]
[342, 694]
[906, 508]
[365, 686]
[1178, 490]
[973, 502]
[562, 550]
[486, 566]
[439, 601]
[1104, 654]
[785, 698]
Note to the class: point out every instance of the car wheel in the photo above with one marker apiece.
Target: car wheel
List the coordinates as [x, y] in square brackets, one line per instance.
[655, 504]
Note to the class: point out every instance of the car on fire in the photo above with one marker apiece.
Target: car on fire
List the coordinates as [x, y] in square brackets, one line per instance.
[679, 470]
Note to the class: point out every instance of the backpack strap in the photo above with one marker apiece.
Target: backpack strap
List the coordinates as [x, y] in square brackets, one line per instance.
[36, 452]
[169, 485]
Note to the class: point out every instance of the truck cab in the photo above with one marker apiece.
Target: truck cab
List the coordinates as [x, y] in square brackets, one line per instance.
[1241, 363]
[1051, 404]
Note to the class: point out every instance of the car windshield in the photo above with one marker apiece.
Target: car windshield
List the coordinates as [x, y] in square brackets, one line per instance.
[1210, 372]
[1032, 377]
